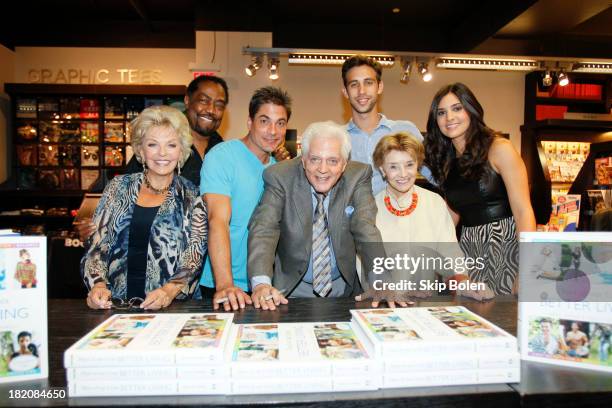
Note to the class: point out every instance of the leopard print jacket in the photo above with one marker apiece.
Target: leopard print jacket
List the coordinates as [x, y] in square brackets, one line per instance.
[177, 243]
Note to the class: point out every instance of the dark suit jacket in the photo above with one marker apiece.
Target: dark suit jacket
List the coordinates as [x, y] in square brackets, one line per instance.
[280, 230]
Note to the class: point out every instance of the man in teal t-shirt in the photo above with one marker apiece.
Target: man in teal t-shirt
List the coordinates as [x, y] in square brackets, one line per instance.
[232, 184]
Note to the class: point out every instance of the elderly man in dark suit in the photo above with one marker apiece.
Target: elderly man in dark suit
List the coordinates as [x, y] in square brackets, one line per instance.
[316, 213]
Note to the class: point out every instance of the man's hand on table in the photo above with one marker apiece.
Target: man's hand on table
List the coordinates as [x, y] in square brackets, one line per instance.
[267, 297]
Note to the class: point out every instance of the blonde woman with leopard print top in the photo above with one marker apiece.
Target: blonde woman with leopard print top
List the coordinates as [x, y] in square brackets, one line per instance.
[151, 227]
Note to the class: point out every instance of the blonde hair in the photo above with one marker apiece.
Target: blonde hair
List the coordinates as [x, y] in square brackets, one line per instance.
[327, 129]
[162, 116]
[403, 142]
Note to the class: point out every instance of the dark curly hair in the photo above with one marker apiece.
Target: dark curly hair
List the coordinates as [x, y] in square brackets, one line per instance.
[439, 150]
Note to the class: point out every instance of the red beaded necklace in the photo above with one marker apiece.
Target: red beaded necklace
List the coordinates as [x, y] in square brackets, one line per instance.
[404, 212]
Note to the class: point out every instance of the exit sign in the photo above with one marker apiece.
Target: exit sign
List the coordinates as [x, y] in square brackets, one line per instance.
[200, 73]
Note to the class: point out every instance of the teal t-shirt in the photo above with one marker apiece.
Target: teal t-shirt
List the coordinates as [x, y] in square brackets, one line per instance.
[231, 169]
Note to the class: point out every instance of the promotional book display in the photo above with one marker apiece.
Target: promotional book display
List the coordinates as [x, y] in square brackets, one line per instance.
[185, 353]
[151, 354]
[23, 308]
[565, 316]
[300, 357]
[443, 345]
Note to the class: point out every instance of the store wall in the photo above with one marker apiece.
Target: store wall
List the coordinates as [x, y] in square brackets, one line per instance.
[7, 64]
[315, 89]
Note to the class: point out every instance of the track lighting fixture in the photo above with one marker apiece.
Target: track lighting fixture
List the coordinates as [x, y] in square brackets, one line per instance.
[562, 78]
[273, 63]
[255, 64]
[424, 71]
[406, 68]
[547, 79]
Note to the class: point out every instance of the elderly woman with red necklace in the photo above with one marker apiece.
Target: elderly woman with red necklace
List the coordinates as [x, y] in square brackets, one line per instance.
[411, 214]
[407, 212]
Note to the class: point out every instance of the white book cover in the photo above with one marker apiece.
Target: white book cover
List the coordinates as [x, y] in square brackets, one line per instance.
[461, 361]
[451, 377]
[565, 280]
[220, 370]
[439, 330]
[296, 352]
[24, 353]
[168, 339]
[110, 388]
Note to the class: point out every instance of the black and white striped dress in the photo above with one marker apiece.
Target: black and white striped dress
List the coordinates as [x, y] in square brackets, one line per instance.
[496, 243]
[488, 228]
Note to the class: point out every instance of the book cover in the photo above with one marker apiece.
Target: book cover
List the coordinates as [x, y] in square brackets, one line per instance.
[463, 361]
[565, 213]
[212, 371]
[89, 132]
[90, 156]
[114, 108]
[565, 317]
[300, 357]
[113, 131]
[152, 339]
[124, 388]
[23, 316]
[27, 131]
[597, 201]
[26, 108]
[439, 330]
[113, 156]
[445, 378]
[602, 170]
[90, 109]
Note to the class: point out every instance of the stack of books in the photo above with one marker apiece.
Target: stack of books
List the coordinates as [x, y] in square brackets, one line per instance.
[183, 354]
[151, 354]
[299, 357]
[442, 345]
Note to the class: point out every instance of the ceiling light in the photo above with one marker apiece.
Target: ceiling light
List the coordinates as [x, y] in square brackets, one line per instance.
[255, 64]
[562, 78]
[487, 63]
[335, 59]
[547, 79]
[424, 71]
[594, 67]
[273, 63]
[406, 67]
